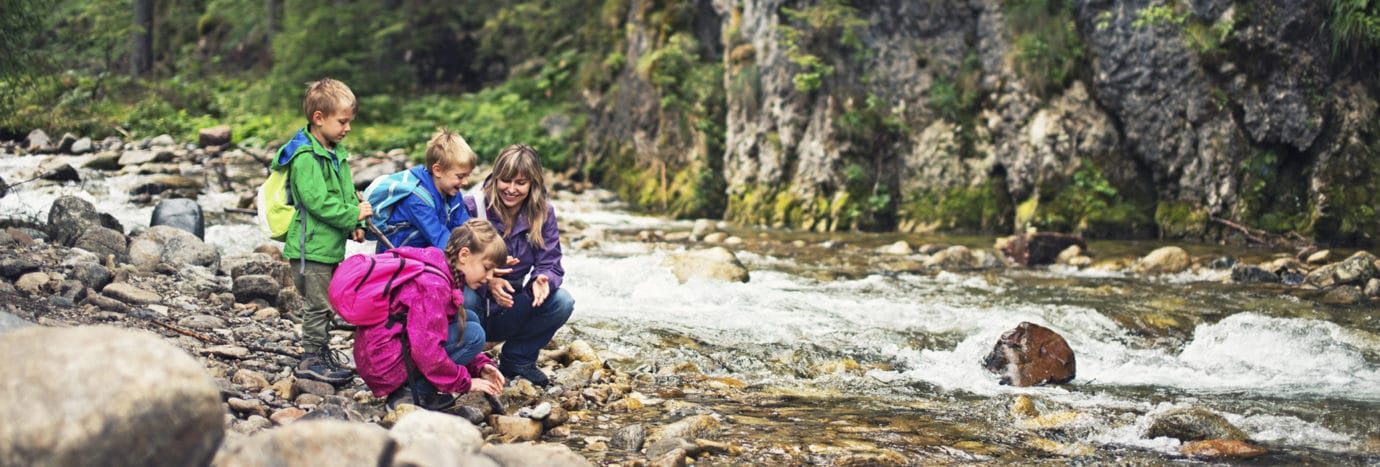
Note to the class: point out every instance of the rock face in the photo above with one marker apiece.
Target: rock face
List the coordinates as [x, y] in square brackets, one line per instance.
[918, 115]
[1031, 355]
[104, 396]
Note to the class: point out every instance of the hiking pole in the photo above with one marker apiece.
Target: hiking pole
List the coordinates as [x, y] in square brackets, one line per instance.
[372, 229]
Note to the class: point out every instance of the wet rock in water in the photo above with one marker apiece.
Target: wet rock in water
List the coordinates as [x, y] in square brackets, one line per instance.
[702, 228]
[432, 438]
[716, 263]
[181, 213]
[694, 426]
[1222, 262]
[1343, 295]
[1373, 288]
[663, 446]
[1223, 448]
[1355, 270]
[325, 442]
[1251, 273]
[1031, 355]
[1164, 260]
[900, 247]
[10, 322]
[4, 188]
[1193, 424]
[185, 186]
[1039, 248]
[167, 409]
[81, 146]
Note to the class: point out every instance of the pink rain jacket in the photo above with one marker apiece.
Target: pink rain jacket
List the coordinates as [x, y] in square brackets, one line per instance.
[430, 302]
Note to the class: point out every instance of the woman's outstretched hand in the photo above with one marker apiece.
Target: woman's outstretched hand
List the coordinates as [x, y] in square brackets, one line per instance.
[540, 289]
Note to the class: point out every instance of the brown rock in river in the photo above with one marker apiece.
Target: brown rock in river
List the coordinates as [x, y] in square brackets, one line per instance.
[1031, 355]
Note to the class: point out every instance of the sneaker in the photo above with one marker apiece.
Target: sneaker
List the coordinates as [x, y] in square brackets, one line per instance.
[529, 372]
[321, 366]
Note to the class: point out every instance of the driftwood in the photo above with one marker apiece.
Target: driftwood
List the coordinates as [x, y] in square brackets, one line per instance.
[1262, 237]
[219, 341]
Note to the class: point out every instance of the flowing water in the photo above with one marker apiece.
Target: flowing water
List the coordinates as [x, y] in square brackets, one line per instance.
[841, 358]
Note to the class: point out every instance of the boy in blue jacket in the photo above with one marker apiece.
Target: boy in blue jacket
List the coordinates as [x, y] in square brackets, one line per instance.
[435, 206]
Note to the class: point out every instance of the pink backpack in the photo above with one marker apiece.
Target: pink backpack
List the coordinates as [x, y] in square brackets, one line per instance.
[364, 286]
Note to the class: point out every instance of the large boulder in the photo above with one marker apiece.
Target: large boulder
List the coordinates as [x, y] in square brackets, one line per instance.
[1164, 260]
[174, 246]
[70, 216]
[104, 396]
[310, 443]
[182, 213]
[1031, 355]
[716, 263]
[1357, 270]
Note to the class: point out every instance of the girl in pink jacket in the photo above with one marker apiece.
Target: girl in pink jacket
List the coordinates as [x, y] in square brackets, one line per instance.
[445, 346]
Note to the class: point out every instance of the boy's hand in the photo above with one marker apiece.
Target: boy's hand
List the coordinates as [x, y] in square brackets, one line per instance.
[357, 235]
[502, 292]
[540, 289]
[365, 210]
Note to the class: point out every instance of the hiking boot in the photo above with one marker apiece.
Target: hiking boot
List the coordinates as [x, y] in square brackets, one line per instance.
[529, 372]
[322, 366]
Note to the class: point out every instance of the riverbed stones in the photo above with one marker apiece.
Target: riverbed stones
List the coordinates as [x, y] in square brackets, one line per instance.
[717, 263]
[1030, 355]
[1357, 269]
[1164, 260]
[63, 400]
[1222, 448]
[181, 213]
[1252, 274]
[430, 438]
[1038, 248]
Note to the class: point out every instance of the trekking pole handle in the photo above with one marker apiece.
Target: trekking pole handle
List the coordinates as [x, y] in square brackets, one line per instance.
[372, 229]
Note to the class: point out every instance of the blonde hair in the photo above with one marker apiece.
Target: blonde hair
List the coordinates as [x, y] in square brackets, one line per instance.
[449, 149]
[520, 160]
[483, 241]
[328, 96]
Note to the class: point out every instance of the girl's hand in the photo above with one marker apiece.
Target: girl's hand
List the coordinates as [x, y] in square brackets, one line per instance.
[491, 374]
[502, 292]
[540, 289]
[484, 386]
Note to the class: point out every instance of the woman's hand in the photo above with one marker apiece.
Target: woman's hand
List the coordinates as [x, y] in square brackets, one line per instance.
[540, 289]
[502, 292]
[485, 386]
[491, 374]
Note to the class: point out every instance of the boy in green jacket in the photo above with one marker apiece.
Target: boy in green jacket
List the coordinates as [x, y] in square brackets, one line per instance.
[323, 192]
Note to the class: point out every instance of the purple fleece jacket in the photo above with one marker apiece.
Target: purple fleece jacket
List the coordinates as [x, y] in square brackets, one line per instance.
[545, 261]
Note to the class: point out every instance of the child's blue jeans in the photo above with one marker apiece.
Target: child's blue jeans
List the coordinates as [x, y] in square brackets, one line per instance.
[460, 349]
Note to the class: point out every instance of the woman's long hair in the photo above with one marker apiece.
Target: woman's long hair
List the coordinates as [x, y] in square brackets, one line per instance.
[519, 160]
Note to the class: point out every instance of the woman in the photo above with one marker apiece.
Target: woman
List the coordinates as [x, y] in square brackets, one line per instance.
[526, 306]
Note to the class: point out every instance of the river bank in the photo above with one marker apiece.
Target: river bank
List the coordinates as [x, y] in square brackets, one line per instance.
[838, 348]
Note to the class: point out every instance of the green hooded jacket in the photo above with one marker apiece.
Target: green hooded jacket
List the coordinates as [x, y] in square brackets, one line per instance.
[324, 193]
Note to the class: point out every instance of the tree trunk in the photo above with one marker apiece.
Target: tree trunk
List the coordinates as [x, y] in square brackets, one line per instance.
[141, 48]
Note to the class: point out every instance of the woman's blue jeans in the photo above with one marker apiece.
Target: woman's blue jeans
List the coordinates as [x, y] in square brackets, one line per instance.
[460, 349]
[524, 329]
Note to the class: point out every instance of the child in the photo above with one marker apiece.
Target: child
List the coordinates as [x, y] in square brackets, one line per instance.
[327, 212]
[414, 221]
[515, 201]
[445, 348]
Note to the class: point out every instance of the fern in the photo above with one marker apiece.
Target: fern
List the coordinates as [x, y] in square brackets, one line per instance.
[1354, 26]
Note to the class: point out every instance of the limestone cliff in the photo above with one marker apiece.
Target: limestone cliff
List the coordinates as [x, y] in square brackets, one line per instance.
[1110, 118]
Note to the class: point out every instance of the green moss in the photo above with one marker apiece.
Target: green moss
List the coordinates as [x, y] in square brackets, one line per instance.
[971, 209]
[1178, 219]
[1046, 47]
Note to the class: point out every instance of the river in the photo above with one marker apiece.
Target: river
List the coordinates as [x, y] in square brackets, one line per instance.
[840, 358]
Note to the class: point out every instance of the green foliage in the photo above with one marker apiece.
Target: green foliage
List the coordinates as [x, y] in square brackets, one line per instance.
[20, 27]
[813, 33]
[1354, 26]
[1047, 49]
[971, 209]
[1087, 203]
[1178, 219]
[1159, 16]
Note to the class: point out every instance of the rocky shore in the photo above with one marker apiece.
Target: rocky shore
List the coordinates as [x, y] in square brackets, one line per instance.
[147, 346]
